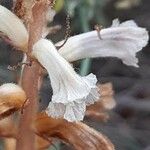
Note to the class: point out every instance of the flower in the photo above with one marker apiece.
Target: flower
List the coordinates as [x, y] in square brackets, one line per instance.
[13, 28]
[120, 40]
[71, 92]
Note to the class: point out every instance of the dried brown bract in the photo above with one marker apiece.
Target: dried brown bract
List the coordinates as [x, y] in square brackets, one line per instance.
[106, 102]
[42, 144]
[106, 96]
[7, 128]
[79, 135]
[10, 144]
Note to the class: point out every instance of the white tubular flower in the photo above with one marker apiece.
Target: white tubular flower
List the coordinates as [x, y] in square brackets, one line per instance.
[12, 27]
[69, 89]
[120, 40]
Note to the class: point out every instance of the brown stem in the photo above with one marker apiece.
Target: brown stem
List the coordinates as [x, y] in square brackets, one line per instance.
[31, 79]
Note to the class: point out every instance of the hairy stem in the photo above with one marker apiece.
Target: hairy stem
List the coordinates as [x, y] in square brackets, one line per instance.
[31, 79]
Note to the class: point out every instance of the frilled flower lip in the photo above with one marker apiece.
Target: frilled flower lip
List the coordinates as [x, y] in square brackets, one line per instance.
[83, 88]
[71, 112]
[121, 40]
[74, 111]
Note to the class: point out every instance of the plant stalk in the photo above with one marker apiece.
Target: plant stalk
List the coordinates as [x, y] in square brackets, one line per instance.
[31, 79]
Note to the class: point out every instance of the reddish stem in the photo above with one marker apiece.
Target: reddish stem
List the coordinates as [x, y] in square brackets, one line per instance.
[31, 79]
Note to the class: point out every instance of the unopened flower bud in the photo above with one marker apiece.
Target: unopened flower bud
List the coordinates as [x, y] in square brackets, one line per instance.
[13, 28]
[12, 98]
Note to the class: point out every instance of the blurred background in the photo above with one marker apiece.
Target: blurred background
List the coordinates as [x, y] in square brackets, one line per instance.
[129, 124]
